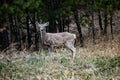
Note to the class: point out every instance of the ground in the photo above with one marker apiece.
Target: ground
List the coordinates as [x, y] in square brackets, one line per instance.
[95, 61]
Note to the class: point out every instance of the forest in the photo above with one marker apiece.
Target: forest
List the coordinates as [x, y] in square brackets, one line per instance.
[96, 24]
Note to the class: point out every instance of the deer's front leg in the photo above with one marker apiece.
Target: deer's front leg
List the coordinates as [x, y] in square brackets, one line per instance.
[70, 46]
[51, 48]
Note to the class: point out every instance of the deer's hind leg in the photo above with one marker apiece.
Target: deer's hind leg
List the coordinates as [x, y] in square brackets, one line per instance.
[70, 46]
[50, 49]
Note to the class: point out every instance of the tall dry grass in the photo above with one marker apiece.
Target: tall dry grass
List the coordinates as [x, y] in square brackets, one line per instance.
[105, 46]
[94, 61]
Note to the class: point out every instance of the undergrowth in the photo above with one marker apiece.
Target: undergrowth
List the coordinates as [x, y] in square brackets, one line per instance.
[60, 67]
[91, 63]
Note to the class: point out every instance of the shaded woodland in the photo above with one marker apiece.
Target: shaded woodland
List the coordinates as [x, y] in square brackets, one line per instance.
[96, 24]
[18, 17]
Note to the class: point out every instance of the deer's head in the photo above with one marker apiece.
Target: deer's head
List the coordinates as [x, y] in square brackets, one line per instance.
[42, 28]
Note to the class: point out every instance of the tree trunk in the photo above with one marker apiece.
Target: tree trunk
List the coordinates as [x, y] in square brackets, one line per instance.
[38, 18]
[28, 29]
[92, 13]
[52, 26]
[19, 32]
[35, 31]
[68, 28]
[60, 24]
[68, 24]
[4, 40]
[100, 22]
[15, 30]
[10, 29]
[63, 24]
[78, 27]
[111, 27]
[105, 21]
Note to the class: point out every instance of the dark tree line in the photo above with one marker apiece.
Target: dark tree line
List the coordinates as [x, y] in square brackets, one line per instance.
[18, 17]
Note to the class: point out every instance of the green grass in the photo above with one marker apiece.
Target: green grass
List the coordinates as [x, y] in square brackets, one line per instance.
[59, 66]
[98, 62]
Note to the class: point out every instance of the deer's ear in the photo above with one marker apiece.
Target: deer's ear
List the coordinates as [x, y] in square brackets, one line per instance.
[38, 24]
[46, 24]
[43, 26]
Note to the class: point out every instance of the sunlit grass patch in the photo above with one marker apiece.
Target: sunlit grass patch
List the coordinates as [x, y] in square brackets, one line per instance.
[100, 62]
[60, 67]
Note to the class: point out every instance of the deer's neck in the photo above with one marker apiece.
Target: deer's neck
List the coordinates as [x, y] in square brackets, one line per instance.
[43, 36]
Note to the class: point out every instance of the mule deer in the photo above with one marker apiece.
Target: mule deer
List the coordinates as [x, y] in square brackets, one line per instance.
[57, 39]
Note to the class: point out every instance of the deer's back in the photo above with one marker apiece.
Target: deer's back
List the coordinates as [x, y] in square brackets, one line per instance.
[68, 36]
[54, 39]
[58, 38]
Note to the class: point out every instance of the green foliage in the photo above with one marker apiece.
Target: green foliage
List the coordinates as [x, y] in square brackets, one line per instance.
[64, 60]
[86, 67]
[52, 8]
[6, 68]
[108, 65]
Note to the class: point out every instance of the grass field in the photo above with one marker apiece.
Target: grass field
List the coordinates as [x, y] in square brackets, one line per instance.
[98, 62]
